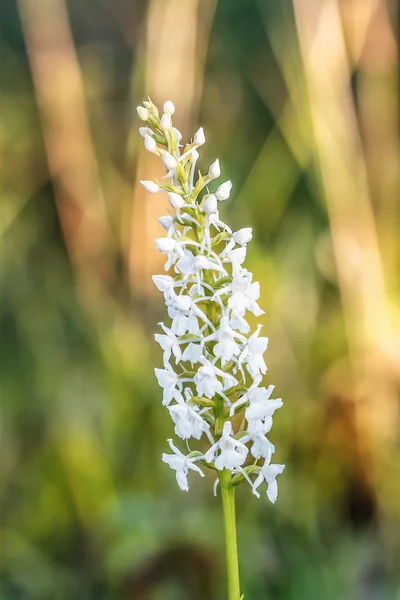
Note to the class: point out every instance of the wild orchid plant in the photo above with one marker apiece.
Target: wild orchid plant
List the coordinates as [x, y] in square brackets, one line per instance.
[213, 365]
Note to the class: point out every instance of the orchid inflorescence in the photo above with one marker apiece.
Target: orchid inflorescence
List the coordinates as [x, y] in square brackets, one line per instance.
[213, 368]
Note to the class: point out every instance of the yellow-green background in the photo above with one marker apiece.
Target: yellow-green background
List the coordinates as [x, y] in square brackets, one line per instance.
[299, 101]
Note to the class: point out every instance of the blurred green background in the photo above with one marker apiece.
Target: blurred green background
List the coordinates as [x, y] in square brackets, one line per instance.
[299, 100]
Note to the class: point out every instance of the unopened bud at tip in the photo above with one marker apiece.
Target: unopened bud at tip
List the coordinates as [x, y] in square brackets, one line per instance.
[169, 107]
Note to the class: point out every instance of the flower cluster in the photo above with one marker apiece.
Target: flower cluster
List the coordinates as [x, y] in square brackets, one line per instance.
[213, 364]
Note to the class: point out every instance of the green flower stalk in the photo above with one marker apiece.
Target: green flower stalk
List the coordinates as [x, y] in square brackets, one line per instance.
[213, 365]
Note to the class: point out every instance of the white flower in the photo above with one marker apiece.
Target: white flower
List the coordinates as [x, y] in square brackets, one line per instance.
[244, 294]
[183, 319]
[232, 452]
[188, 423]
[269, 473]
[181, 464]
[143, 113]
[238, 322]
[175, 200]
[215, 170]
[208, 293]
[150, 144]
[260, 406]
[165, 245]
[172, 248]
[261, 447]
[169, 343]
[199, 137]
[226, 347]
[145, 131]
[237, 258]
[164, 283]
[167, 222]
[169, 107]
[243, 236]
[166, 122]
[192, 353]
[190, 264]
[206, 381]
[218, 224]
[169, 161]
[209, 205]
[169, 381]
[253, 353]
[150, 186]
[177, 134]
[224, 191]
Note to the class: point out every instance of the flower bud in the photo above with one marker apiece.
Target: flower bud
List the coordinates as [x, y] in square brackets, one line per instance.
[175, 200]
[195, 156]
[243, 236]
[143, 113]
[210, 205]
[152, 108]
[169, 161]
[166, 221]
[145, 130]
[150, 186]
[165, 244]
[224, 190]
[169, 107]
[199, 137]
[165, 122]
[177, 134]
[150, 144]
[215, 170]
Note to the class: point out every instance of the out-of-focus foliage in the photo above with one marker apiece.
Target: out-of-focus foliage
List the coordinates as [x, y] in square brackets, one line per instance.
[299, 101]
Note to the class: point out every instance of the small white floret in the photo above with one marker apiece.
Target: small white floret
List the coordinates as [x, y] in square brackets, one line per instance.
[175, 200]
[166, 122]
[143, 113]
[165, 244]
[243, 236]
[224, 190]
[169, 161]
[150, 144]
[169, 107]
[150, 186]
[210, 205]
[199, 137]
[215, 170]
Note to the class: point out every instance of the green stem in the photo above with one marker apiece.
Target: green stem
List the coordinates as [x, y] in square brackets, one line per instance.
[228, 507]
